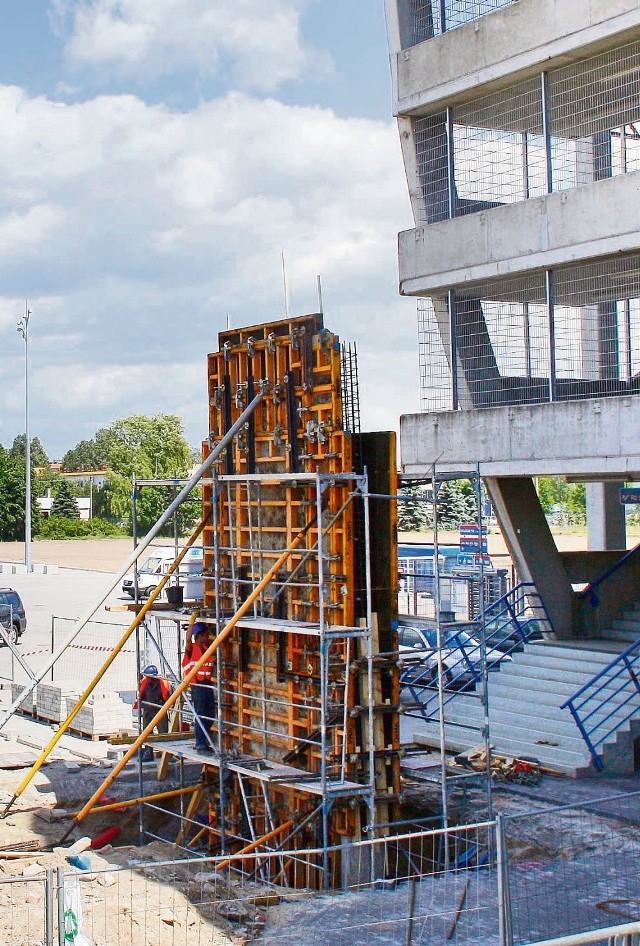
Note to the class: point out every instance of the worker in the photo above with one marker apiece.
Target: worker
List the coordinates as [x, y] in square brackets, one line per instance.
[202, 696]
[153, 692]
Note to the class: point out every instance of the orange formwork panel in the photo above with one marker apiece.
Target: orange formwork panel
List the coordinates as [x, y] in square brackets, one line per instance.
[298, 737]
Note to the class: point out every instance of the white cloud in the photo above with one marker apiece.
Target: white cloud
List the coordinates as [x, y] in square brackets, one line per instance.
[136, 229]
[257, 41]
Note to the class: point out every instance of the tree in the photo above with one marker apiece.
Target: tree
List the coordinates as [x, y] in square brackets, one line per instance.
[86, 455]
[150, 448]
[38, 454]
[453, 505]
[413, 512]
[12, 498]
[64, 505]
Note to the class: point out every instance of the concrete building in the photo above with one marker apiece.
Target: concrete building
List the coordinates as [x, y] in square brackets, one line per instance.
[520, 129]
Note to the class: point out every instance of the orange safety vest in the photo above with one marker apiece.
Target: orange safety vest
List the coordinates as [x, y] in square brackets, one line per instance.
[190, 660]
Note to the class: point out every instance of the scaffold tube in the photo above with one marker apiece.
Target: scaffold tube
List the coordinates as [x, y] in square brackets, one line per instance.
[151, 534]
[57, 736]
[191, 675]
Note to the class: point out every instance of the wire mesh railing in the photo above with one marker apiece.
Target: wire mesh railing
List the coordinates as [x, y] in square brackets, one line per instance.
[496, 149]
[429, 18]
[571, 333]
[415, 888]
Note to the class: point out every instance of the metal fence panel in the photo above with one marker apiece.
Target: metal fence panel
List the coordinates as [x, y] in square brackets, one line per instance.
[572, 886]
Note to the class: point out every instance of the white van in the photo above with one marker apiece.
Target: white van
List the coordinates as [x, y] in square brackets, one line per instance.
[158, 564]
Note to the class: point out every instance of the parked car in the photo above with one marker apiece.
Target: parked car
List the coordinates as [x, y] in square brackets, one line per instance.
[461, 657]
[12, 614]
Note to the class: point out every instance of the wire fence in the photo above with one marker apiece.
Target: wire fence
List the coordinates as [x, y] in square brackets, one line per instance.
[571, 333]
[27, 909]
[555, 887]
[497, 149]
[429, 18]
[554, 873]
[420, 888]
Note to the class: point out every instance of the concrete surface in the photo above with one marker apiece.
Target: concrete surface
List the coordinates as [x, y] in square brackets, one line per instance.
[597, 437]
[520, 38]
[539, 233]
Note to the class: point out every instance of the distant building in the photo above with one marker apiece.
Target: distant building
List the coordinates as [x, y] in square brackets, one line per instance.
[82, 502]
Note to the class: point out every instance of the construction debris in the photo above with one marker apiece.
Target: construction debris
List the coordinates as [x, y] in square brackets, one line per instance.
[525, 771]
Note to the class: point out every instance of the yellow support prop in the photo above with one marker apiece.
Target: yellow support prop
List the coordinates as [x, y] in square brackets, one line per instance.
[129, 802]
[110, 659]
[177, 693]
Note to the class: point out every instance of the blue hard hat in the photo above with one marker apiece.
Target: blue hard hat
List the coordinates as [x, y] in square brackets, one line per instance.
[150, 671]
[199, 628]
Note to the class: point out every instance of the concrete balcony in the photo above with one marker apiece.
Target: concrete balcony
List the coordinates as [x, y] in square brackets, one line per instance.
[514, 42]
[591, 221]
[595, 439]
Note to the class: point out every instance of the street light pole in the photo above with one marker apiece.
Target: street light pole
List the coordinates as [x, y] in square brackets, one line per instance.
[23, 329]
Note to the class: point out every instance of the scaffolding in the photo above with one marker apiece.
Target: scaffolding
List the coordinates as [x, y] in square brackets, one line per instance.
[304, 741]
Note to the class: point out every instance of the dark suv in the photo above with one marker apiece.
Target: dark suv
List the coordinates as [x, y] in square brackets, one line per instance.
[12, 616]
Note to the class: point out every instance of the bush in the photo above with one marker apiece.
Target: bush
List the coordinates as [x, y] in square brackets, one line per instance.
[57, 527]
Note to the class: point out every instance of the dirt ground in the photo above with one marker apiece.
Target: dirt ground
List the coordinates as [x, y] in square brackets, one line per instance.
[103, 555]
[108, 554]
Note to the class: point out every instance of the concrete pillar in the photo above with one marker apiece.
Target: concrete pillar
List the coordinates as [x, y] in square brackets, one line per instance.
[606, 526]
[532, 547]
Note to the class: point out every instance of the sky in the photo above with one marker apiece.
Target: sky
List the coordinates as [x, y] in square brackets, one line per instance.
[157, 157]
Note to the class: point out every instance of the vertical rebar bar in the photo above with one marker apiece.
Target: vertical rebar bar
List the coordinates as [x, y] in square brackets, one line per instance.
[323, 685]
[451, 165]
[551, 330]
[453, 348]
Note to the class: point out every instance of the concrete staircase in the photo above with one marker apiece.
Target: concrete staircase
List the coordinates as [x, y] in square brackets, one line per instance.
[525, 695]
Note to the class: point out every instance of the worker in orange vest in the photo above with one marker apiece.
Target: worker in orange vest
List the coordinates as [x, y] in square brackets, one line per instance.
[202, 695]
[153, 692]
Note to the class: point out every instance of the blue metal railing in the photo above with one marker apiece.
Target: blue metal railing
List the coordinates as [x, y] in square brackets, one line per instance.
[509, 623]
[590, 591]
[607, 701]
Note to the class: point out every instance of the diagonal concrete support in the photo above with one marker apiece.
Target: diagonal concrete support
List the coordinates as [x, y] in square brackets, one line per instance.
[532, 547]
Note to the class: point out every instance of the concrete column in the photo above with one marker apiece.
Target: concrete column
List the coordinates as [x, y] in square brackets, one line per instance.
[532, 547]
[606, 526]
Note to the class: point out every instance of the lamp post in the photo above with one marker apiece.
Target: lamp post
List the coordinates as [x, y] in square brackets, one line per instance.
[23, 329]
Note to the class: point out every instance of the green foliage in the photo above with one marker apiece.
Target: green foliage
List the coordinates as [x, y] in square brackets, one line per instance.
[456, 504]
[12, 498]
[38, 454]
[413, 510]
[150, 448]
[46, 479]
[557, 497]
[57, 528]
[64, 505]
[86, 455]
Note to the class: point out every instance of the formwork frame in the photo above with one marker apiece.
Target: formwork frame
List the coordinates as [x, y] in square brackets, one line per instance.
[305, 724]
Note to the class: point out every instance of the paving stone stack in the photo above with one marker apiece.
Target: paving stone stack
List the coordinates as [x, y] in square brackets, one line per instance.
[101, 715]
[51, 703]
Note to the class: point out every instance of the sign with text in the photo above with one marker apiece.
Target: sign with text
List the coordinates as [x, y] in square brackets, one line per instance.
[629, 496]
[470, 540]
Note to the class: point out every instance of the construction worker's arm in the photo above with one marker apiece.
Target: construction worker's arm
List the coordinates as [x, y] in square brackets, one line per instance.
[143, 687]
[188, 644]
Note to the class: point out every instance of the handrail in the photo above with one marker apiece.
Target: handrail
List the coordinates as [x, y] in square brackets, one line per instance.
[621, 674]
[589, 589]
[514, 620]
